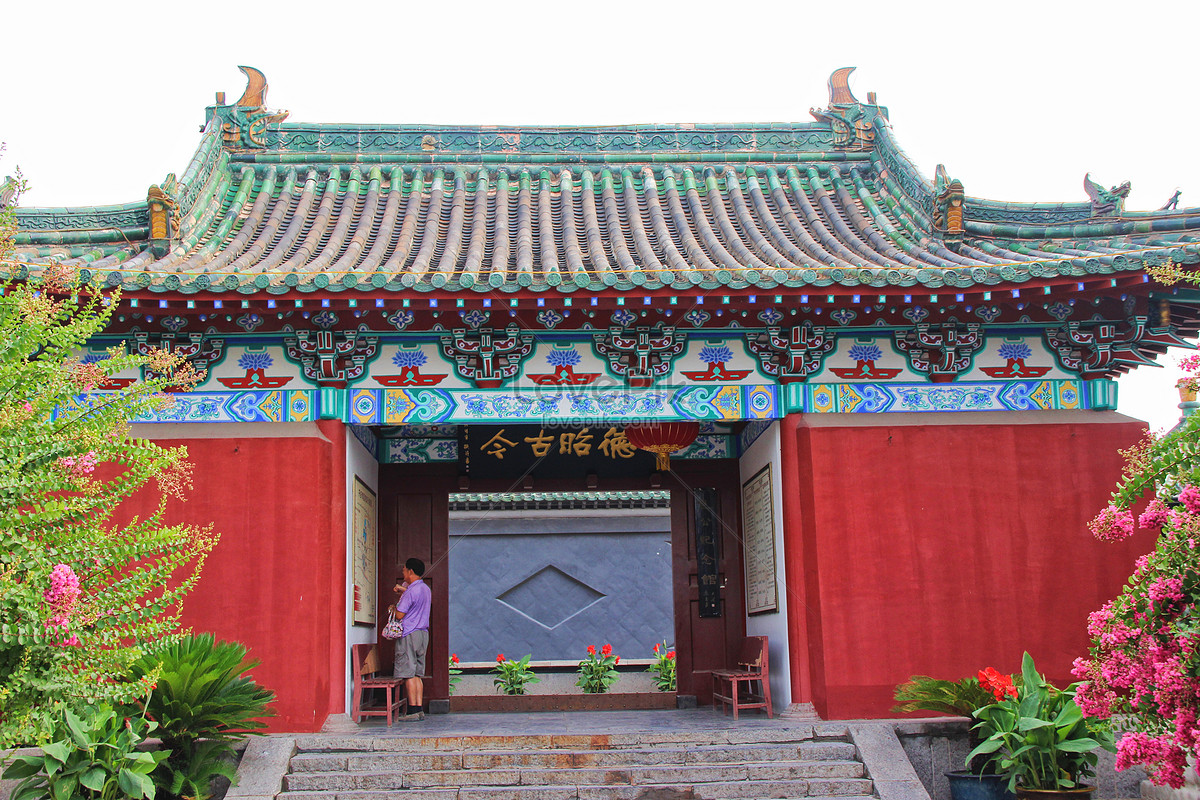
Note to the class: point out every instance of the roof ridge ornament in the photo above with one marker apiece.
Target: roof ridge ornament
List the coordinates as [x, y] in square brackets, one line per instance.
[244, 124]
[1106, 202]
[839, 87]
[163, 204]
[948, 196]
[853, 122]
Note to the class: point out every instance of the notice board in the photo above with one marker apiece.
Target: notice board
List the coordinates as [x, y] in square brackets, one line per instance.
[758, 530]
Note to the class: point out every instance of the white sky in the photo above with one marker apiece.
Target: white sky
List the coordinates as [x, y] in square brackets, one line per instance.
[1018, 99]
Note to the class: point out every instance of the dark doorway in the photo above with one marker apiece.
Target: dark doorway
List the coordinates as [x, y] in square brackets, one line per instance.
[414, 520]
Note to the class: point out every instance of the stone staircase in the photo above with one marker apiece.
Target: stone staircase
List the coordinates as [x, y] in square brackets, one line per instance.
[817, 761]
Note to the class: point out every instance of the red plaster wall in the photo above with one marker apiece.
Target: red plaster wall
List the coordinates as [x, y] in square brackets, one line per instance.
[276, 581]
[940, 550]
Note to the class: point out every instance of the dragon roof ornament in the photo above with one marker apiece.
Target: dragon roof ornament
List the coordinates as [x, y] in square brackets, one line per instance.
[853, 122]
[1105, 202]
[244, 124]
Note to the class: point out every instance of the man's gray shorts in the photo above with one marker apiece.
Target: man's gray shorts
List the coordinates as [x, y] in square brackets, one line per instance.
[410, 655]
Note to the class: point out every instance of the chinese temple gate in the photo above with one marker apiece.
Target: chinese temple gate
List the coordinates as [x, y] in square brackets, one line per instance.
[388, 315]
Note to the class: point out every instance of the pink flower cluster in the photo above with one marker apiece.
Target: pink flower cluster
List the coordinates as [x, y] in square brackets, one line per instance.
[61, 596]
[1142, 663]
[1155, 515]
[1141, 748]
[1191, 363]
[1112, 524]
[1190, 498]
[79, 467]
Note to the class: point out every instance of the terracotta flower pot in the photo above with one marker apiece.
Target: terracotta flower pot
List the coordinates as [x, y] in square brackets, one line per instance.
[1082, 793]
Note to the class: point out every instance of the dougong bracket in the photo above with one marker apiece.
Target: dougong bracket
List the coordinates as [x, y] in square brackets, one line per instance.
[792, 356]
[487, 356]
[943, 351]
[197, 349]
[642, 355]
[331, 358]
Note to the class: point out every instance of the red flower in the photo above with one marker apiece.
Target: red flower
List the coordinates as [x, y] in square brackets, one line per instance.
[656, 647]
[591, 649]
[606, 650]
[618, 661]
[499, 658]
[454, 657]
[999, 685]
[670, 654]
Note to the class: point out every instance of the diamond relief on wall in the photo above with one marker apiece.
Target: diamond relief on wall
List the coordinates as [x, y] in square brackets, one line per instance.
[550, 597]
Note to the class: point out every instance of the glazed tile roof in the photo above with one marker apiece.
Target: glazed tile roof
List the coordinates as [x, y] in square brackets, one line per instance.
[279, 207]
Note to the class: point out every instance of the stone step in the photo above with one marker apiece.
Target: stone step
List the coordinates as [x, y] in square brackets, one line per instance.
[745, 790]
[406, 742]
[327, 761]
[835, 777]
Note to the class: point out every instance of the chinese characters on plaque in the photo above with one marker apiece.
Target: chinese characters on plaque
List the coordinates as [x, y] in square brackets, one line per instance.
[708, 521]
[550, 451]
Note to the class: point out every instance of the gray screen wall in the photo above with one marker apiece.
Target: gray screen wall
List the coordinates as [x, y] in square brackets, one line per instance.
[550, 582]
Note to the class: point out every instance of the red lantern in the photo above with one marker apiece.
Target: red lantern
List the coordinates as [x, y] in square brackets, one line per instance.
[662, 438]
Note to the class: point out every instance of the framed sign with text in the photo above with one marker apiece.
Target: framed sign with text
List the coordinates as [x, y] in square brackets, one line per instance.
[758, 530]
[363, 535]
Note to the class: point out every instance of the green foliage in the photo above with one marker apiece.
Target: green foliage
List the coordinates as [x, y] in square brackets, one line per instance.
[923, 693]
[514, 676]
[203, 701]
[663, 668]
[80, 588]
[1040, 738]
[455, 672]
[598, 671]
[94, 754]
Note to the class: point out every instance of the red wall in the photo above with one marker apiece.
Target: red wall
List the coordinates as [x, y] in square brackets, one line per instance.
[943, 549]
[276, 580]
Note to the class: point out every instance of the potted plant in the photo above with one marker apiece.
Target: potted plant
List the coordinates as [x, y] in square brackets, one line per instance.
[1041, 739]
[981, 780]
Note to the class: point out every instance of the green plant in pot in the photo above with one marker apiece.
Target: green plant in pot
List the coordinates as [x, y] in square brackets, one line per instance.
[981, 780]
[1041, 739]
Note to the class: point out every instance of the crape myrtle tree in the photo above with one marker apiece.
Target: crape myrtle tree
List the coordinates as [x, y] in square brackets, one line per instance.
[1143, 670]
[82, 584]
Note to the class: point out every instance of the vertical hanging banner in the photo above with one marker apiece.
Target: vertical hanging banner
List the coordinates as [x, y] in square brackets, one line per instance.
[708, 520]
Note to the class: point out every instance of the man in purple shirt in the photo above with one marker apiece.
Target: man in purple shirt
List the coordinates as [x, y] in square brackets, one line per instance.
[413, 613]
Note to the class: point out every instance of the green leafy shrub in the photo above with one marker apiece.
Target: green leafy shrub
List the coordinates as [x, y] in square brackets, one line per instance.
[923, 693]
[1040, 738]
[94, 755]
[455, 672]
[513, 676]
[203, 702]
[81, 589]
[597, 672]
[663, 668]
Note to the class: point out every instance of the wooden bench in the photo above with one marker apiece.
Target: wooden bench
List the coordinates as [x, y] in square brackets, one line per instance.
[737, 687]
[364, 663]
